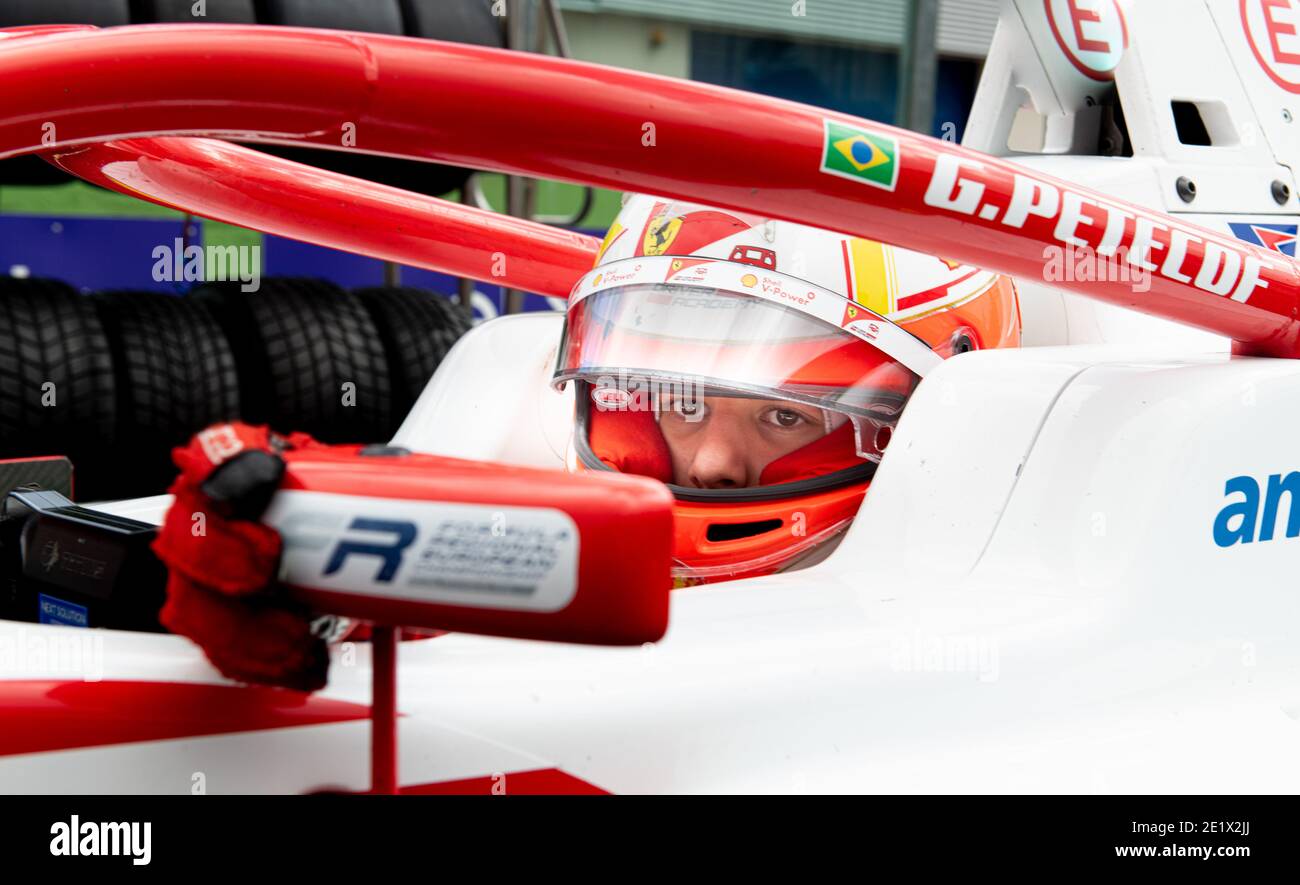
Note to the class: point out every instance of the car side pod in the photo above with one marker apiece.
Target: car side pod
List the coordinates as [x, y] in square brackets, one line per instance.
[410, 540]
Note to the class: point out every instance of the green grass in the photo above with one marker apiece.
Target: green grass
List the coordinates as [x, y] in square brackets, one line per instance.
[556, 198]
[78, 199]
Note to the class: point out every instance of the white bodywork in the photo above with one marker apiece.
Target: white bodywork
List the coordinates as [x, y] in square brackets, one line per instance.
[1031, 599]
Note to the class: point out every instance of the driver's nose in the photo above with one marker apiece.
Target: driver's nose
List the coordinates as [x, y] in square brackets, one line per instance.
[719, 462]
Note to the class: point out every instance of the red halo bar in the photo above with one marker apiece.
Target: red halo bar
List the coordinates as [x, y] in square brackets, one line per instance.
[588, 124]
[237, 185]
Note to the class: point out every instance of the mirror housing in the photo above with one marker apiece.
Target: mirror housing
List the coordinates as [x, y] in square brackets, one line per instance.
[412, 540]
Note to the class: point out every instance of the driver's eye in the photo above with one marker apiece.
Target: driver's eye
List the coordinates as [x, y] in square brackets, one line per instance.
[785, 418]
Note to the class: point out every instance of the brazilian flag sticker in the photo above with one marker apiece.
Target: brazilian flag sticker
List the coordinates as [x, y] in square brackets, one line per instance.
[868, 157]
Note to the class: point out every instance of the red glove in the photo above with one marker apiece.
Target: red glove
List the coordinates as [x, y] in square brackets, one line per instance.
[221, 586]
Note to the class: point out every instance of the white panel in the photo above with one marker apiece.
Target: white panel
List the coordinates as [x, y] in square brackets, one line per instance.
[952, 464]
[491, 400]
[1127, 479]
[1277, 108]
[1193, 63]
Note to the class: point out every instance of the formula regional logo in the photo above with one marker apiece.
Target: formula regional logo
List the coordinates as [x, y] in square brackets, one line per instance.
[1092, 34]
[384, 540]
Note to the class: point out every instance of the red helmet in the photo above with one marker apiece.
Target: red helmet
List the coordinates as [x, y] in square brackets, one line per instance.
[787, 351]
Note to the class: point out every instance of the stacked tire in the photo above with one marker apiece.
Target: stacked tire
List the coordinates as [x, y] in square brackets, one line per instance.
[57, 385]
[175, 372]
[115, 380]
[309, 355]
[417, 329]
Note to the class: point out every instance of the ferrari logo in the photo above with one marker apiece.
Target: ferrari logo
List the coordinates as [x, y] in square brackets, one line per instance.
[660, 234]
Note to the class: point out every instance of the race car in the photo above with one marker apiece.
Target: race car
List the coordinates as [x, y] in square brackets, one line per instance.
[1026, 499]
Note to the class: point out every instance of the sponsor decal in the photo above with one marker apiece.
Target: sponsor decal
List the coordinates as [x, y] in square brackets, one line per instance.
[867, 331]
[630, 392]
[861, 155]
[615, 277]
[1254, 515]
[1273, 31]
[449, 553]
[625, 392]
[777, 289]
[867, 321]
[1278, 237]
[611, 399]
[1092, 34]
[749, 281]
[659, 235]
[754, 255]
[220, 443]
[53, 610]
[688, 269]
[958, 186]
[677, 228]
[382, 539]
[71, 562]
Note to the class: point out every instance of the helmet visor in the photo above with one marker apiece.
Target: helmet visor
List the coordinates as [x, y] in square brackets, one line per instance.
[726, 342]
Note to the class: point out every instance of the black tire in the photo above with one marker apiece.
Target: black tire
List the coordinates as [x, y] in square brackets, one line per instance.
[372, 16]
[224, 11]
[57, 390]
[377, 17]
[175, 376]
[457, 21]
[417, 327]
[296, 343]
[104, 13]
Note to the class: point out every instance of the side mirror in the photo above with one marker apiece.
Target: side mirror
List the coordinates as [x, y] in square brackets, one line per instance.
[413, 540]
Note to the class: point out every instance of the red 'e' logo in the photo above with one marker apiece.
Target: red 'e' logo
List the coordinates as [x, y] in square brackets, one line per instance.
[1092, 34]
[1270, 27]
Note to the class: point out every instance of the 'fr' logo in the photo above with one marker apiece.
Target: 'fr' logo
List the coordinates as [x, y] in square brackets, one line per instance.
[402, 535]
